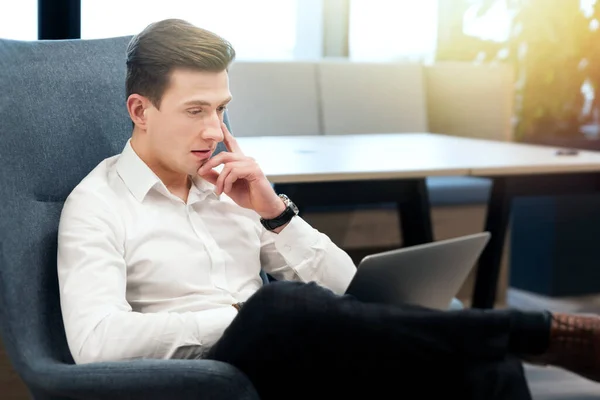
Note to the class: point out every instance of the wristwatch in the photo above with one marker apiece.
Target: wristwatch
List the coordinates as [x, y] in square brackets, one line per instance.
[286, 216]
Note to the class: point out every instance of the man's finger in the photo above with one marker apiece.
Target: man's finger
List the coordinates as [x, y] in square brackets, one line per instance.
[221, 181]
[237, 169]
[230, 143]
[219, 159]
[229, 181]
[210, 176]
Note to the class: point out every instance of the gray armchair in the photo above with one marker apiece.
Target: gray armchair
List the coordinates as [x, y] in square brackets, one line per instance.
[62, 110]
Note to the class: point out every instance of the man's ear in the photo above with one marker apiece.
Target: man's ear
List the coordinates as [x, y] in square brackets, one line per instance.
[137, 106]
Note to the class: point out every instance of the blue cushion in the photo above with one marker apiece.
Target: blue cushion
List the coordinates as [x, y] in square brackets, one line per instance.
[458, 190]
[443, 191]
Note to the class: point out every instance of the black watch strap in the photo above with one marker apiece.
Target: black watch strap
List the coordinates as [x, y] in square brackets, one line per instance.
[286, 216]
[282, 219]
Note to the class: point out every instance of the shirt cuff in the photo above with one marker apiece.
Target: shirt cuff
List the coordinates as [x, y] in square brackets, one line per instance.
[298, 241]
[210, 324]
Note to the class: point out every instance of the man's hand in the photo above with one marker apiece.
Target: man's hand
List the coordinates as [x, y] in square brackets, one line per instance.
[242, 179]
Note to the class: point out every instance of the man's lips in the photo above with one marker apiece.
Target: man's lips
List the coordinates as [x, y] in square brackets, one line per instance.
[202, 154]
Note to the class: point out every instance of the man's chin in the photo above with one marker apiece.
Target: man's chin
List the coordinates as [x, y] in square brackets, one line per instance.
[193, 171]
[200, 165]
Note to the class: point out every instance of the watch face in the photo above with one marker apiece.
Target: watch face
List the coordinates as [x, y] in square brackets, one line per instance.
[289, 203]
[294, 208]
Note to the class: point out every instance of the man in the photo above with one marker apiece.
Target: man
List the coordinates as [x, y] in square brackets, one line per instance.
[160, 250]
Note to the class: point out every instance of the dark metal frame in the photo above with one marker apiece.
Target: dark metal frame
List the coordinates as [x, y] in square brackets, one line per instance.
[504, 190]
[59, 19]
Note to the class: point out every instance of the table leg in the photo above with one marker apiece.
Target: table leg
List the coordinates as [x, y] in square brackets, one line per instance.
[415, 214]
[488, 270]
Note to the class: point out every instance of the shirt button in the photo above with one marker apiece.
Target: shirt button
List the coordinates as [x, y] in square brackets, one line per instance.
[287, 247]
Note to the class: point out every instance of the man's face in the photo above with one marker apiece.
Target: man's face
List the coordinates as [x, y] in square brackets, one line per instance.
[184, 132]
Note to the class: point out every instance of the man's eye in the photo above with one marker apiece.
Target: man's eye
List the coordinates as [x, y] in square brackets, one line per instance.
[222, 108]
[194, 112]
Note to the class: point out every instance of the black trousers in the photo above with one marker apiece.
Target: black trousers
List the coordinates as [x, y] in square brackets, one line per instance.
[302, 341]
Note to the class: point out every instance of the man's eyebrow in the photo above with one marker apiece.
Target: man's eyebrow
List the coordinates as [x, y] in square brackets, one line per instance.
[204, 102]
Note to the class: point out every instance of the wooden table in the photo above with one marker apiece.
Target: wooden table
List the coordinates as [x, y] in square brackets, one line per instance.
[374, 168]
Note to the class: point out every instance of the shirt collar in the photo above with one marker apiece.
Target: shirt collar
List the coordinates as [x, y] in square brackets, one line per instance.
[203, 185]
[139, 178]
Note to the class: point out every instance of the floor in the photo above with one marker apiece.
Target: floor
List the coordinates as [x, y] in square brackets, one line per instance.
[551, 383]
[11, 387]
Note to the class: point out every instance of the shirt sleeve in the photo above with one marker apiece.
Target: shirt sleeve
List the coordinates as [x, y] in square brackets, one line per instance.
[99, 322]
[300, 252]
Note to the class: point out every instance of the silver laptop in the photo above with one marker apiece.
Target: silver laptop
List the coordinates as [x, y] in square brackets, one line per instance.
[428, 275]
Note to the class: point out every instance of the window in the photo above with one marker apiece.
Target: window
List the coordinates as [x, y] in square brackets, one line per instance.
[392, 30]
[258, 29]
[492, 21]
[18, 19]
[492, 25]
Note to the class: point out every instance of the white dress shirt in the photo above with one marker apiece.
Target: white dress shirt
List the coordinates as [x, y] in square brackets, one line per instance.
[142, 274]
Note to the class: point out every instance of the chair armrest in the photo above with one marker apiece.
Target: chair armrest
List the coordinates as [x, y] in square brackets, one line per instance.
[147, 379]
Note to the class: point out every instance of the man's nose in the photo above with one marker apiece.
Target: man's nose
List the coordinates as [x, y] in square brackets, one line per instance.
[212, 129]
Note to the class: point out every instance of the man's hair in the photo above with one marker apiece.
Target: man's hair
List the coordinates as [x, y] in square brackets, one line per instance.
[163, 46]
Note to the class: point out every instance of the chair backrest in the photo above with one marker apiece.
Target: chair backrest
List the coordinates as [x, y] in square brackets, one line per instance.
[62, 111]
[274, 98]
[362, 97]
